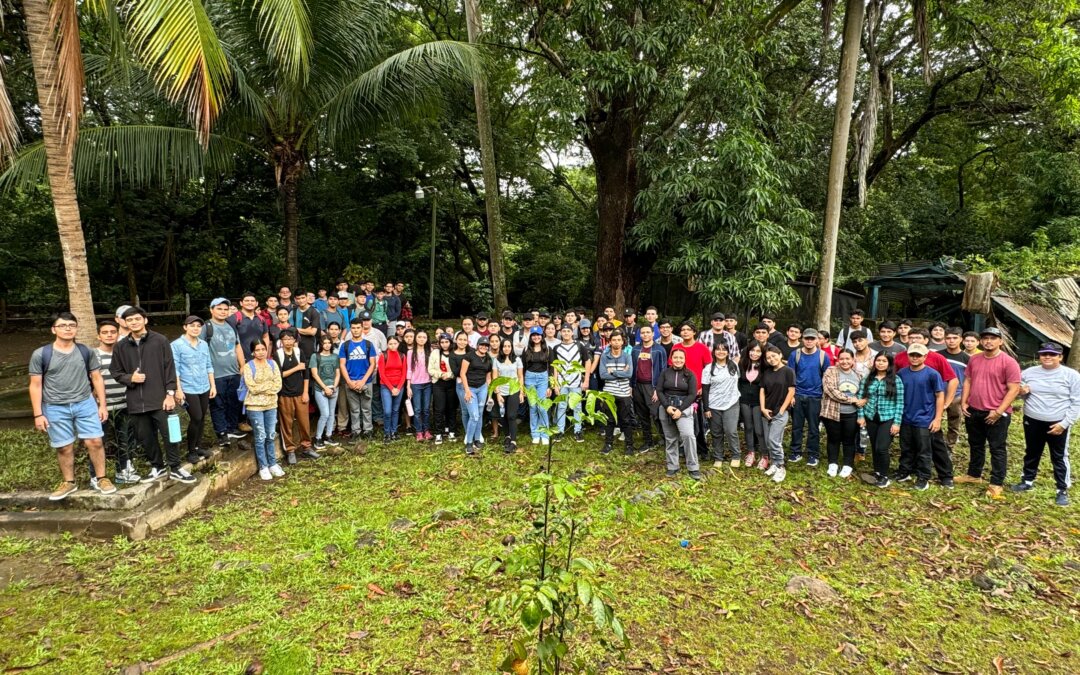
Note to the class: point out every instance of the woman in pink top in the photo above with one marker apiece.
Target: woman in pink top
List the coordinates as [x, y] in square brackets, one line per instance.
[419, 385]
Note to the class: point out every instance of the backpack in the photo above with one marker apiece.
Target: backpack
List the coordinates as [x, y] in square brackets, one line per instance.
[822, 362]
[47, 354]
[242, 390]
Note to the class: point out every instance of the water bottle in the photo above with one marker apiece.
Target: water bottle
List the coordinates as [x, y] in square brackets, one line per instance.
[174, 428]
[864, 437]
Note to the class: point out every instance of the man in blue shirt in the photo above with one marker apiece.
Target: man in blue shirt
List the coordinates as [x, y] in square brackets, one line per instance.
[358, 358]
[924, 403]
[809, 364]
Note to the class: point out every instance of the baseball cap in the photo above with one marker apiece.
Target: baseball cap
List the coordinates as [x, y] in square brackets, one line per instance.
[343, 295]
[916, 348]
[123, 308]
[366, 316]
[990, 330]
[536, 330]
[481, 315]
[213, 303]
[483, 341]
[544, 313]
[192, 319]
[718, 316]
[1051, 348]
[809, 333]
[629, 311]
[445, 336]
[585, 323]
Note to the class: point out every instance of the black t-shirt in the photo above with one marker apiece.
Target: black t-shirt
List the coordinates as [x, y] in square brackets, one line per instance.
[309, 318]
[537, 361]
[787, 350]
[776, 384]
[455, 360]
[292, 385]
[247, 331]
[479, 367]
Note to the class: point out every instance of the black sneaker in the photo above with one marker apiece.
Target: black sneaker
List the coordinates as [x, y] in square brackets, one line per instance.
[290, 457]
[154, 474]
[193, 457]
[902, 477]
[181, 475]
[921, 484]
[630, 452]
[329, 440]
[606, 449]
[309, 454]
[696, 475]
[670, 473]
[205, 454]
[579, 437]
[947, 484]
[1022, 486]
[355, 437]
[470, 449]
[1062, 498]
[883, 482]
[223, 440]
[812, 462]
[318, 444]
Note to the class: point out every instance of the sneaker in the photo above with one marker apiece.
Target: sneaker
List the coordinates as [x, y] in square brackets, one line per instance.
[155, 474]
[276, 471]
[772, 469]
[763, 463]
[290, 457]
[696, 475]
[438, 439]
[205, 454]
[451, 436]
[264, 473]
[193, 458]
[749, 461]
[236, 435]
[1062, 498]
[780, 475]
[223, 440]
[902, 477]
[947, 484]
[181, 475]
[921, 484]
[846, 471]
[470, 449]
[671, 473]
[735, 462]
[831, 473]
[536, 440]
[318, 444]
[579, 437]
[427, 436]
[329, 441]
[509, 447]
[618, 433]
[630, 451]
[63, 490]
[1022, 486]
[103, 485]
[127, 477]
[419, 436]
[995, 492]
[964, 478]
[557, 438]
[883, 482]
[356, 437]
[308, 453]
[606, 449]
[717, 464]
[812, 462]
[794, 459]
[545, 441]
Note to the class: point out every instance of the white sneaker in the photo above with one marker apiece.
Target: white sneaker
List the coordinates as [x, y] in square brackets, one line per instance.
[772, 469]
[780, 475]
[264, 473]
[276, 471]
[845, 472]
[545, 441]
[536, 440]
[717, 464]
[832, 470]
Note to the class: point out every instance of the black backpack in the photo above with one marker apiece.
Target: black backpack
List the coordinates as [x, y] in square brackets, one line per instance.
[47, 354]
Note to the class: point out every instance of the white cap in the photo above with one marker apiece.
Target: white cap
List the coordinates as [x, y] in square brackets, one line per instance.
[120, 311]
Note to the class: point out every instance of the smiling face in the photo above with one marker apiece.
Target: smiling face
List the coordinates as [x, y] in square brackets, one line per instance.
[678, 358]
[844, 361]
[773, 358]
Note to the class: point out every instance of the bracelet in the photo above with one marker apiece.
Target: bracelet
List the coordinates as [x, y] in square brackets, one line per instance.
[37, 416]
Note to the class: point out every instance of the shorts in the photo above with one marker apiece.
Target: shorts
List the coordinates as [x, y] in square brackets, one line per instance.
[72, 421]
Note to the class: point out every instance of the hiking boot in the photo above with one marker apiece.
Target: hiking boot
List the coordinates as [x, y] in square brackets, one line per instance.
[1062, 498]
[290, 457]
[964, 478]
[995, 492]
[276, 471]
[103, 485]
[155, 474]
[1022, 486]
[63, 490]
[181, 475]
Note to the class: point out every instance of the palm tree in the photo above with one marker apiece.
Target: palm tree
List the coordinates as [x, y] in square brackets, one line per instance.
[171, 37]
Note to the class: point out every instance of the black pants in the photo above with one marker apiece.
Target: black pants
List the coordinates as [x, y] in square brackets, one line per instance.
[915, 452]
[845, 432]
[508, 414]
[880, 443]
[198, 406]
[444, 405]
[150, 425]
[980, 434]
[646, 412]
[1035, 439]
[700, 425]
[624, 414]
[942, 456]
[119, 439]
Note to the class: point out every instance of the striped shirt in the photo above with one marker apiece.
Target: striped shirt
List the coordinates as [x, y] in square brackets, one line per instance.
[115, 392]
[570, 353]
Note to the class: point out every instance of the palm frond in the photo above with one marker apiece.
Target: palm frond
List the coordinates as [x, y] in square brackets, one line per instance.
[142, 155]
[176, 40]
[401, 83]
[285, 28]
[64, 21]
[9, 126]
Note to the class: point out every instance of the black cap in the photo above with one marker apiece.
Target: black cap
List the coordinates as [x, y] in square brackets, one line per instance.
[482, 315]
[366, 316]
[483, 341]
[629, 311]
[992, 331]
[192, 319]
[718, 316]
[1051, 348]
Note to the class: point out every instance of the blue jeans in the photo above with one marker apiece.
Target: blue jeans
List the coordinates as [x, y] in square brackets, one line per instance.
[327, 411]
[538, 417]
[461, 405]
[474, 412]
[560, 411]
[225, 407]
[806, 410]
[391, 406]
[421, 403]
[263, 423]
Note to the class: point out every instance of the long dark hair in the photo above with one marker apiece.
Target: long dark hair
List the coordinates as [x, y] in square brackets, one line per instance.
[745, 364]
[426, 350]
[890, 376]
[502, 356]
[731, 367]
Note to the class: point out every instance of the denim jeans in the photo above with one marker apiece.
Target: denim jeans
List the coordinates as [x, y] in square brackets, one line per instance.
[806, 411]
[225, 407]
[474, 410]
[460, 389]
[560, 411]
[421, 403]
[391, 406]
[263, 423]
[327, 406]
[538, 417]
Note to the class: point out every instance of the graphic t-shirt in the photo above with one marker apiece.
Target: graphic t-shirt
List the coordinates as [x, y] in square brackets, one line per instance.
[222, 340]
[358, 357]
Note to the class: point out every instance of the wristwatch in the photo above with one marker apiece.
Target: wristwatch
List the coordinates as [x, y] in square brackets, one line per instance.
[170, 392]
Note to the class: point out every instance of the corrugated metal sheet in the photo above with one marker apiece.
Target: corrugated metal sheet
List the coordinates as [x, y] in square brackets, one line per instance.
[1041, 320]
[1068, 297]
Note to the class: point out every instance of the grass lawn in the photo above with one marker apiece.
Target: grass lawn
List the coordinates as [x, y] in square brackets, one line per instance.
[283, 561]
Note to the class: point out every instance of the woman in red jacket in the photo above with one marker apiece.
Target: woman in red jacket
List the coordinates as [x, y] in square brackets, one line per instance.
[392, 371]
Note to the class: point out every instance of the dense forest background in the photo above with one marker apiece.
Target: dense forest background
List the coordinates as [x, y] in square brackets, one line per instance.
[722, 112]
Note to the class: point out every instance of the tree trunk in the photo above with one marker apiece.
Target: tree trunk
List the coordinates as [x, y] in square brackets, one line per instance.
[491, 176]
[613, 144]
[1074, 349]
[58, 163]
[290, 212]
[845, 94]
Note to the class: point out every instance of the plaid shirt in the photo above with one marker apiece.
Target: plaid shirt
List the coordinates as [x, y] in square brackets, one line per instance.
[879, 405]
[832, 397]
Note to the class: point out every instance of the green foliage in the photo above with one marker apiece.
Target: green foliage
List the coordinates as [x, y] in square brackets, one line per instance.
[1041, 260]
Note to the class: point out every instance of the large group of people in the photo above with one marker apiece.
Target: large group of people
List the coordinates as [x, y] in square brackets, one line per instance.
[352, 358]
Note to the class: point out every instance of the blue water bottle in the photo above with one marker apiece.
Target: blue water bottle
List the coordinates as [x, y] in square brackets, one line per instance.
[174, 428]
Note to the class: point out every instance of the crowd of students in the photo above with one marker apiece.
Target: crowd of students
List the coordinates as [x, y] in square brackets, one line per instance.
[355, 352]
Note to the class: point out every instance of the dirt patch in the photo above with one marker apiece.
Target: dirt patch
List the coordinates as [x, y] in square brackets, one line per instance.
[33, 570]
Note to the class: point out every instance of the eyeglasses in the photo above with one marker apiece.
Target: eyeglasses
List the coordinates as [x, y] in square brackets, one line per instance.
[71, 326]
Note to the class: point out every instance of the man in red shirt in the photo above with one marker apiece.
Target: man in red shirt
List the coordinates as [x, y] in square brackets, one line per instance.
[991, 384]
[939, 448]
[697, 357]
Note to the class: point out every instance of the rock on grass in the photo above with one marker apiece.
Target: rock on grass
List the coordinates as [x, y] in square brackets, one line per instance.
[815, 589]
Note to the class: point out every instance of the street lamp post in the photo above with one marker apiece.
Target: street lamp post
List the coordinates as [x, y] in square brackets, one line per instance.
[419, 194]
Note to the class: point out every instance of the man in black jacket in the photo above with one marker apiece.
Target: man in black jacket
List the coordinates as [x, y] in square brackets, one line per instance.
[143, 363]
